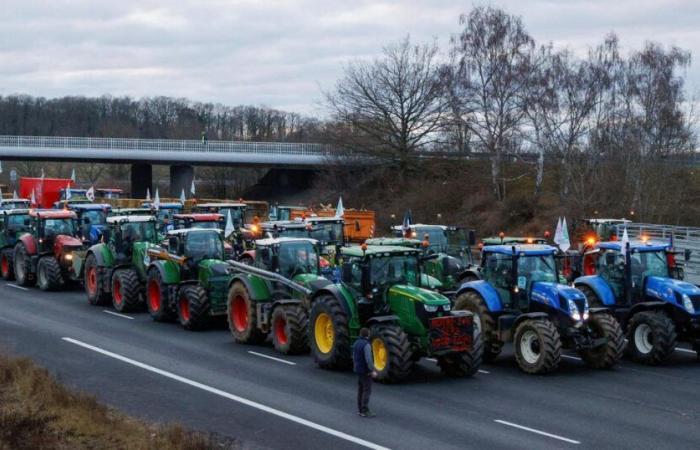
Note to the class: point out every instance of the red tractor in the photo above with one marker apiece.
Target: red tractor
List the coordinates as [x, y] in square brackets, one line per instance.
[44, 253]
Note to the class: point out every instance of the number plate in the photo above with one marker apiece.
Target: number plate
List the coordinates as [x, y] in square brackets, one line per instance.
[451, 333]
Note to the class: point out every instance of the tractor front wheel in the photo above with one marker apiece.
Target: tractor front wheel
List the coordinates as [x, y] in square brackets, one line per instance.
[537, 346]
[484, 323]
[289, 329]
[157, 298]
[193, 308]
[651, 337]
[243, 316]
[391, 352]
[126, 290]
[463, 364]
[49, 276]
[21, 260]
[607, 355]
[329, 334]
[6, 265]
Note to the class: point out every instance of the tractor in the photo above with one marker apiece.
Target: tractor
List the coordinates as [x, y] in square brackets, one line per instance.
[131, 212]
[271, 295]
[14, 203]
[92, 219]
[639, 281]
[164, 213]
[199, 220]
[188, 279]
[115, 268]
[13, 222]
[237, 211]
[44, 253]
[380, 289]
[520, 299]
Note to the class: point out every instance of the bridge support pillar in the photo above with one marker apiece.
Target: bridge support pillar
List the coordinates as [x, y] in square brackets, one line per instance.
[181, 177]
[141, 180]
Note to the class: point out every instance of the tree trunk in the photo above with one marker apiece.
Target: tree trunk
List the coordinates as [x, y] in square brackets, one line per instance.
[496, 176]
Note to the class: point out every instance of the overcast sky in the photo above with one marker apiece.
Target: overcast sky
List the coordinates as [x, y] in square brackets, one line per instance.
[277, 53]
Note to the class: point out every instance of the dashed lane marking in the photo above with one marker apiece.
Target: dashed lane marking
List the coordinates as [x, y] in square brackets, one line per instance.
[540, 432]
[17, 287]
[272, 358]
[123, 316]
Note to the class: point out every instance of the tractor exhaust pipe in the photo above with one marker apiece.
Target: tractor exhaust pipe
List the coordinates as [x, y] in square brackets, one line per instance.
[271, 276]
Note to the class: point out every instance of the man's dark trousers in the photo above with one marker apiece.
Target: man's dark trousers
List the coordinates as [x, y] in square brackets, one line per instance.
[364, 389]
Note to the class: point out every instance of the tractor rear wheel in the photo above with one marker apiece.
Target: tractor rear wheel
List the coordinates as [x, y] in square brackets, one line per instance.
[21, 260]
[157, 298]
[93, 282]
[243, 316]
[329, 334]
[289, 329]
[463, 364]
[126, 290]
[651, 337]
[193, 307]
[49, 276]
[483, 322]
[391, 352]
[6, 265]
[537, 346]
[607, 355]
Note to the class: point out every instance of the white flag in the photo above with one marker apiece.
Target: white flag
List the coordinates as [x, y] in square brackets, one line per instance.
[148, 194]
[0, 166]
[229, 224]
[564, 243]
[156, 202]
[339, 210]
[90, 194]
[182, 196]
[14, 196]
[623, 243]
[557, 232]
[72, 175]
[33, 200]
[68, 192]
[42, 173]
[192, 190]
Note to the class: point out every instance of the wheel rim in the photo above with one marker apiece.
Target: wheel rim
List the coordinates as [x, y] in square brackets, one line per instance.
[239, 313]
[281, 330]
[92, 280]
[643, 338]
[324, 333]
[154, 296]
[184, 309]
[379, 354]
[42, 275]
[5, 266]
[530, 347]
[117, 291]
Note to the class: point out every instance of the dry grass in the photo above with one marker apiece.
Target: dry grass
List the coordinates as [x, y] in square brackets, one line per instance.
[37, 412]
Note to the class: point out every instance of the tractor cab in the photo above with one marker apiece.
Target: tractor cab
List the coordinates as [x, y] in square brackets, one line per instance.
[51, 226]
[123, 232]
[164, 213]
[108, 193]
[13, 223]
[289, 257]
[327, 230]
[75, 194]
[92, 219]
[286, 228]
[199, 220]
[17, 203]
[194, 246]
[596, 230]
[131, 212]
[281, 212]
[237, 211]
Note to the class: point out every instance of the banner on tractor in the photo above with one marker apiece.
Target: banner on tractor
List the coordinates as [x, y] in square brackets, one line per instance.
[451, 333]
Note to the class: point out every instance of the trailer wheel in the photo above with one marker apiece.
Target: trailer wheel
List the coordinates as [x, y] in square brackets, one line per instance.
[651, 337]
[193, 308]
[7, 265]
[243, 316]
[126, 290]
[607, 355]
[93, 282]
[463, 364]
[157, 298]
[289, 329]
[49, 276]
[537, 346]
[21, 259]
[329, 334]
[483, 322]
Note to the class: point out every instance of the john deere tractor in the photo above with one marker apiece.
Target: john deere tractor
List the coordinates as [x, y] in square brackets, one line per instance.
[638, 281]
[189, 279]
[380, 289]
[44, 253]
[13, 222]
[520, 299]
[271, 295]
[115, 270]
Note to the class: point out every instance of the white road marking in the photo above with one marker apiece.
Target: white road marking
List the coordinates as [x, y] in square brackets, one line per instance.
[685, 350]
[532, 430]
[272, 358]
[235, 398]
[117, 314]
[435, 361]
[17, 287]
[572, 357]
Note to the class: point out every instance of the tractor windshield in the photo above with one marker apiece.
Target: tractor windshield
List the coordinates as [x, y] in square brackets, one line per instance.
[437, 238]
[648, 264]
[206, 225]
[59, 226]
[390, 270]
[15, 222]
[533, 268]
[140, 231]
[204, 245]
[296, 258]
[498, 270]
[236, 215]
[328, 232]
[96, 216]
[291, 232]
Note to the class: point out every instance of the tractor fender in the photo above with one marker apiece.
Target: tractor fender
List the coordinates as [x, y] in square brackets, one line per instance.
[598, 285]
[486, 291]
[593, 311]
[103, 256]
[169, 272]
[256, 287]
[529, 316]
[346, 302]
[29, 243]
[647, 306]
[470, 272]
[383, 319]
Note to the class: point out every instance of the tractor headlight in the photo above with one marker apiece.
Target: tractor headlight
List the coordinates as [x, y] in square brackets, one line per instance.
[446, 307]
[688, 304]
[69, 257]
[586, 311]
[574, 311]
[430, 308]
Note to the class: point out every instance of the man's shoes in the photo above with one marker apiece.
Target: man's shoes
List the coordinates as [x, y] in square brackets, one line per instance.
[368, 414]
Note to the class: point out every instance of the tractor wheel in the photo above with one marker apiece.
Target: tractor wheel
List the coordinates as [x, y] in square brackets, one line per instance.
[463, 364]
[21, 262]
[391, 352]
[126, 290]
[651, 337]
[466, 278]
[289, 329]
[93, 282]
[157, 298]
[49, 276]
[6, 265]
[243, 316]
[537, 346]
[604, 357]
[483, 322]
[591, 297]
[193, 307]
[329, 334]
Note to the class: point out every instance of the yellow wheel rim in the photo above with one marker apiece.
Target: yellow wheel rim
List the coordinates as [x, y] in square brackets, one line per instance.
[324, 333]
[379, 354]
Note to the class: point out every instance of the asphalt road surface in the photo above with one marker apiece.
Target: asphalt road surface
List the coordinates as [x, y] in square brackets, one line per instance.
[207, 382]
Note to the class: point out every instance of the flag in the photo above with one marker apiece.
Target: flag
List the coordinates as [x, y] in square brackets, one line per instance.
[68, 192]
[339, 210]
[0, 166]
[148, 194]
[406, 225]
[72, 175]
[14, 196]
[229, 224]
[623, 243]
[33, 199]
[192, 190]
[182, 196]
[564, 243]
[557, 232]
[42, 173]
[90, 194]
[156, 201]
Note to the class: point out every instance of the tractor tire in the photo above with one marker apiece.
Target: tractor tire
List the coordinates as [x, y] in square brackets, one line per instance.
[537, 346]
[467, 278]
[483, 321]
[243, 316]
[651, 337]
[391, 352]
[157, 298]
[193, 307]
[591, 297]
[329, 334]
[606, 356]
[93, 283]
[464, 364]
[21, 265]
[49, 276]
[126, 290]
[290, 329]
[7, 269]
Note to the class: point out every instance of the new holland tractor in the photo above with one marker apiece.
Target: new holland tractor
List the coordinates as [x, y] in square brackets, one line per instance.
[520, 299]
[114, 270]
[638, 281]
[380, 289]
[92, 219]
[189, 279]
[13, 222]
[44, 253]
[270, 296]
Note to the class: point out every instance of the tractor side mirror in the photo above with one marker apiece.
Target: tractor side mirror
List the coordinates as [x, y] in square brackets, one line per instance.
[471, 238]
[347, 272]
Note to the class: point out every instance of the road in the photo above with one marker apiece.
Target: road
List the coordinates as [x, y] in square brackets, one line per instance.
[207, 382]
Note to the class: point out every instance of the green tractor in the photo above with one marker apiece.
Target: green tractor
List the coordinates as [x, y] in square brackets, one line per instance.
[271, 294]
[114, 269]
[13, 222]
[380, 289]
[189, 279]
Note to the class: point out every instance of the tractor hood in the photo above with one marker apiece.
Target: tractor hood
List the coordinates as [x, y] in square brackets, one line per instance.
[669, 289]
[557, 295]
[311, 281]
[214, 267]
[417, 294]
[429, 282]
[63, 240]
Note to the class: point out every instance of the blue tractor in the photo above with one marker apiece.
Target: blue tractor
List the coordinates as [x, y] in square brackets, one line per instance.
[520, 299]
[640, 282]
[92, 219]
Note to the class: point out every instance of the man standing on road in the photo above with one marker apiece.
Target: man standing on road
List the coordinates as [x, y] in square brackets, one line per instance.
[363, 366]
